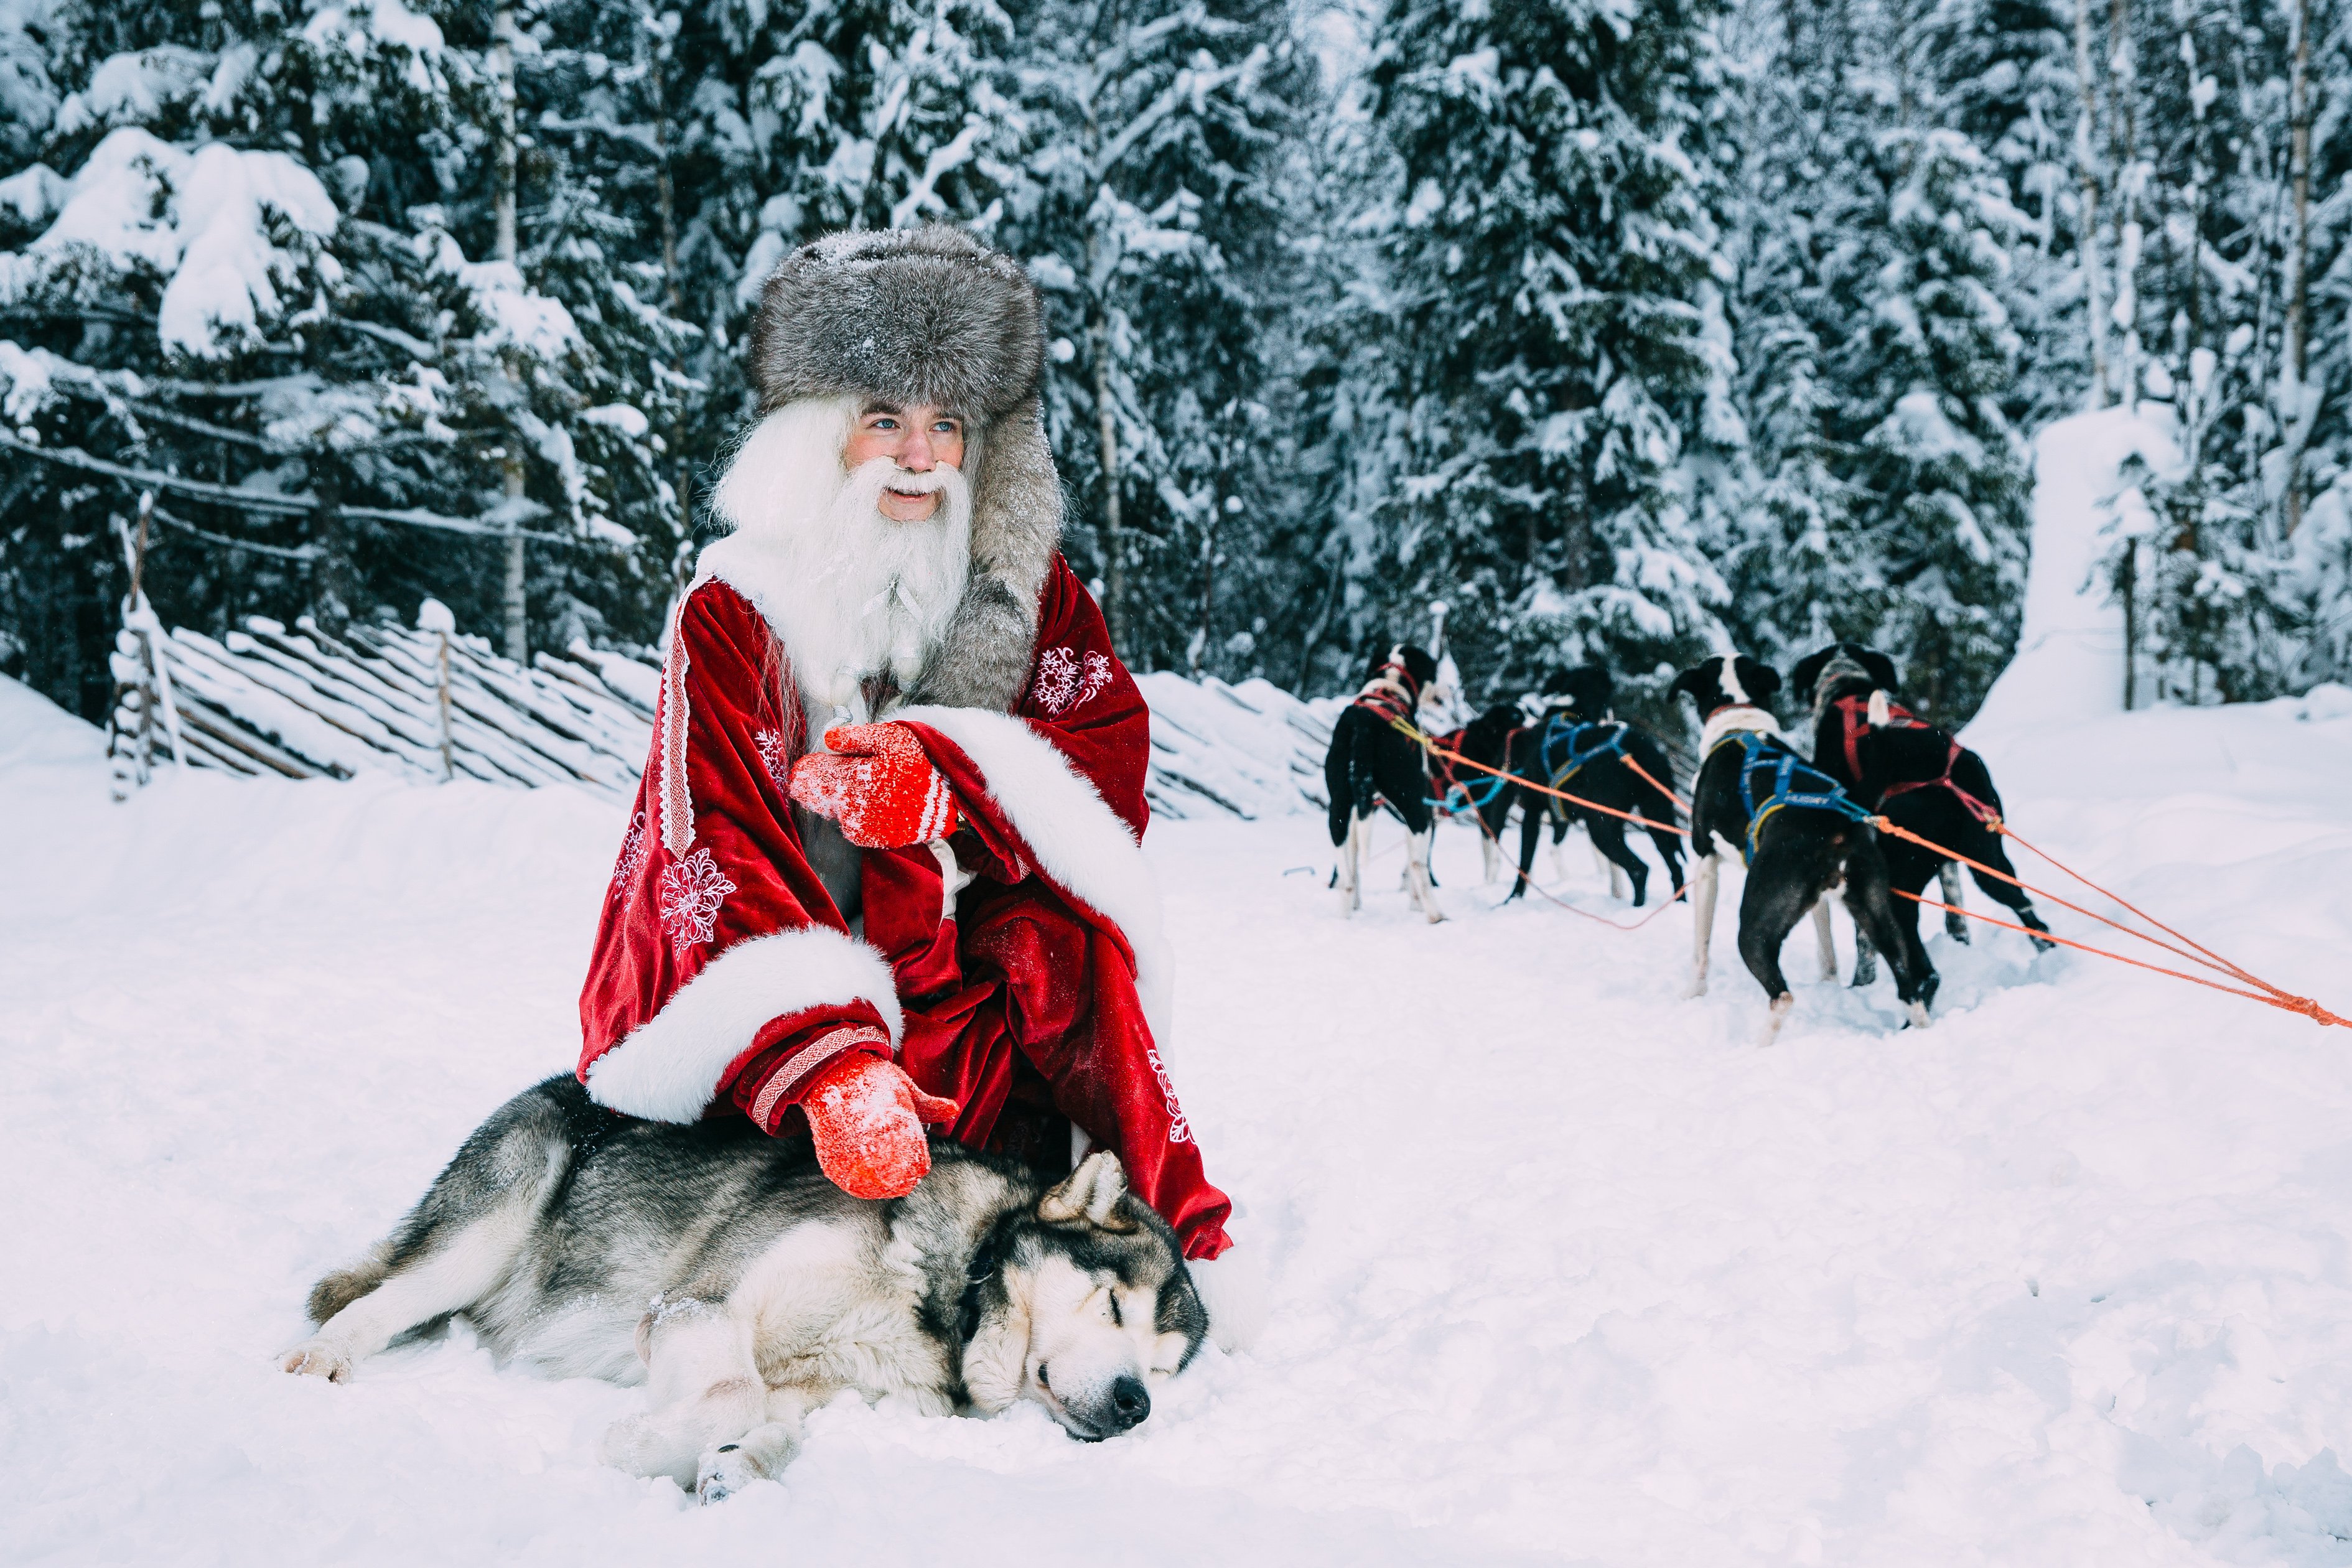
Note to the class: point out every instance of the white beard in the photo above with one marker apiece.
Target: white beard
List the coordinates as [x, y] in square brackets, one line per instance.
[852, 595]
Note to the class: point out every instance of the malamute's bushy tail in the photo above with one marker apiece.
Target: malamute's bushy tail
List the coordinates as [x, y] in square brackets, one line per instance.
[345, 1285]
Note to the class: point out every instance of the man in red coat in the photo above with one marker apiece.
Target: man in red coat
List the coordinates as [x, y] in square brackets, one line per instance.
[884, 868]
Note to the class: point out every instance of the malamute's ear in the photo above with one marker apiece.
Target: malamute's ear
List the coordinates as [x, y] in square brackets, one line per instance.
[1689, 679]
[1091, 1193]
[1881, 668]
[1807, 670]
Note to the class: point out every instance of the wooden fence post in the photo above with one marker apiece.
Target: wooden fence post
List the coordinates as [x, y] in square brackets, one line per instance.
[436, 618]
[142, 682]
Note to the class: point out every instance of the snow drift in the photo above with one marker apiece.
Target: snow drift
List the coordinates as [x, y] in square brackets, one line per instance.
[1562, 1267]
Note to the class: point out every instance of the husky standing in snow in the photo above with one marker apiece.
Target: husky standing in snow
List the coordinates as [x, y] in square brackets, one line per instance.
[1372, 761]
[1915, 775]
[718, 1266]
[1802, 837]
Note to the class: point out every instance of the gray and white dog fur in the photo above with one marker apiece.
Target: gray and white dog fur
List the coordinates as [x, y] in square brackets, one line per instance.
[720, 1267]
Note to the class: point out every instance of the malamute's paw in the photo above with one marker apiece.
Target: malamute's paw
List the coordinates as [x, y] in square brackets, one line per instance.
[757, 1455]
[316, 1358]
[723, 1472]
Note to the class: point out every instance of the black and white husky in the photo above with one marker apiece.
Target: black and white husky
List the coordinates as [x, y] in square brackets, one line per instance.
[721, 1268]
[1372, 761]
[1796, 856]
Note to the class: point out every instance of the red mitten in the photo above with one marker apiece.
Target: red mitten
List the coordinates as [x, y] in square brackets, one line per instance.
[877, 784]
[867, 1117]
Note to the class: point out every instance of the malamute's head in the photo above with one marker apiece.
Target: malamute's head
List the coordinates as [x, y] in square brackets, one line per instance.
[1082, 1304]
[1841, 669]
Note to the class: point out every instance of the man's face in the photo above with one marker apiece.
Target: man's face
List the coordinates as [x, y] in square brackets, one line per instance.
[918, 438]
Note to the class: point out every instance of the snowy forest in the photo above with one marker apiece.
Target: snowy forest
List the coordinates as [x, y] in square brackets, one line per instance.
[1630, 332]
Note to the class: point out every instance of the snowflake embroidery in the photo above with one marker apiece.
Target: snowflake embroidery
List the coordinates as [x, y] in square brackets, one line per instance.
[633, 857]
[1179, 1130]
[691, 891]
[775, 755]
[1064, 682]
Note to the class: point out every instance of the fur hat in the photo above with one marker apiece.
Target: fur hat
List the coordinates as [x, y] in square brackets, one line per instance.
[932, 316]
[922, 315]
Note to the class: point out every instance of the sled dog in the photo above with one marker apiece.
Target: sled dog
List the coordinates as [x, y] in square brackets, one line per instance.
[1372, 761]
[718, 1266]
[1796, 856]
[1917, 776]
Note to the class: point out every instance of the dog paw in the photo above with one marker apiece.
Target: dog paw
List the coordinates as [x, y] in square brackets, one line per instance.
[1915, 1015]
[316, 1358]
[724, 1471]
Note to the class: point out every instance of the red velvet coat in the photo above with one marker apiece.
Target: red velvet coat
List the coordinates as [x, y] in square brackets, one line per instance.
[1017, 968]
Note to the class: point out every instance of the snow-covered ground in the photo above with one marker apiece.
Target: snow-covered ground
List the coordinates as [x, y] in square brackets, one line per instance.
[1564, 1268]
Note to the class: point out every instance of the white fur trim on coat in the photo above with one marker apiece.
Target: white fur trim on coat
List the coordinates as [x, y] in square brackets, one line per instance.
[1080, 843]
[669, 1068]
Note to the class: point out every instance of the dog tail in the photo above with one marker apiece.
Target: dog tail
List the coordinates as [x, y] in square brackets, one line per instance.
[345, 1285]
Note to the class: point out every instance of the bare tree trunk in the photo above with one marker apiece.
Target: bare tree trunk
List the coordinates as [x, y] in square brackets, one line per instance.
[330, 576]
[502, 33]
[1114, 547]
[2095, 304]
[1098, 346]
[666, 201]
[2294, 359]
[2127, 588]
[2123, 75]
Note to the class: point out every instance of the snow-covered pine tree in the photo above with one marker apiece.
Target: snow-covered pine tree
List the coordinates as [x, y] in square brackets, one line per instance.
[1350, 428]
[1937, 474]
[779, 124]
[1550, 245]
[1151, 209]
[1779, 512]
[2003, 73]
[251, 294]
[2226, 600]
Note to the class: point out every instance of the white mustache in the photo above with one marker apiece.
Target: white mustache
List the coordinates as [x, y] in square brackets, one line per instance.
[907, 482]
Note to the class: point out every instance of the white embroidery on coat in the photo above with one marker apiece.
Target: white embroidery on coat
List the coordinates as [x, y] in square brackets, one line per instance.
[1064, 682]
[1179, 1130]
[776, 757]
[633, 857]
[691, 891]
[677, 798]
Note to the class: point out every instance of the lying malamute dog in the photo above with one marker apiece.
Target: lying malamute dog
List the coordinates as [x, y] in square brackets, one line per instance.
[720, 1266]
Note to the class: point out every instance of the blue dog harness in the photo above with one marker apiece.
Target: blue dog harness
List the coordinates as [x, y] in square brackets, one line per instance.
[1564, 738]
[1788, 771]
[1459, 797]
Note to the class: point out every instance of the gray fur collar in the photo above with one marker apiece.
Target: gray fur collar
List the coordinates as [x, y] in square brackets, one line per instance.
[1016, 525]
